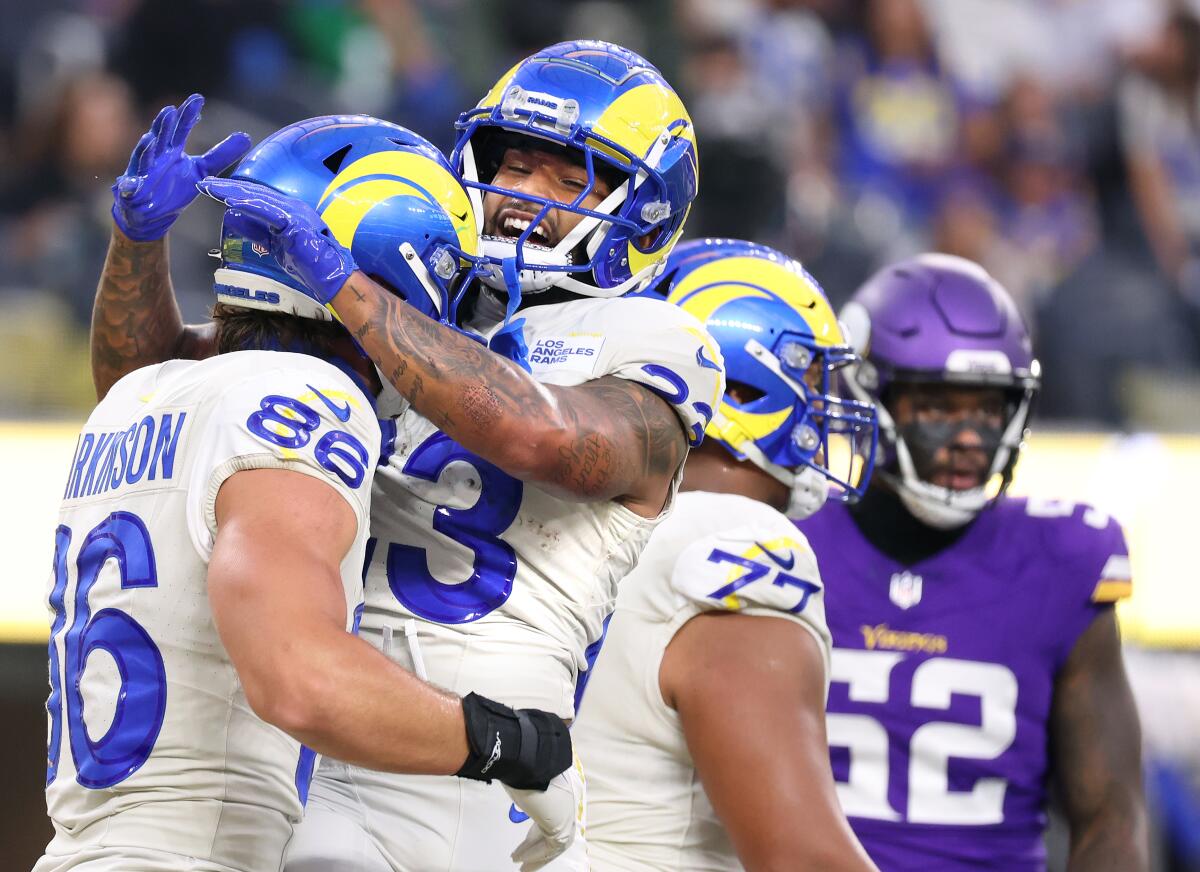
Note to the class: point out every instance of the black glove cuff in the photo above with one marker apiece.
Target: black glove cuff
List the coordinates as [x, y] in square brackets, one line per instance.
[524, 749]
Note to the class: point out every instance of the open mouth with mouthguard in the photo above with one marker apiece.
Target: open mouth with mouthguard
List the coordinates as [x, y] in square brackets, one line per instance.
[511, 223]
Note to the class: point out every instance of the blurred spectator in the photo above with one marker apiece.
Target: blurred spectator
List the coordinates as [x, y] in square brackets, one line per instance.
[169, 50]
[59, 201]
[743, 183]
[846, 132]
[1160, 131]
[1068, 46]
[420, 88]
[898, 114]
[1050, 217]
[757, 83]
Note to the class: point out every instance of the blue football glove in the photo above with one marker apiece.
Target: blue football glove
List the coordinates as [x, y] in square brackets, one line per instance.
[292, 231]
[160, 180]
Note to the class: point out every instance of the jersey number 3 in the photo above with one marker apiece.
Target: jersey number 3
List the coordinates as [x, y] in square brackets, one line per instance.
[494, 563]
[141, 700]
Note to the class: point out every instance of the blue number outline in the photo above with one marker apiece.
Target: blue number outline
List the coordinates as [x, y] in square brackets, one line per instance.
[267, 411]
[142, 699]
[328, 450]
[755, 571]
[62, 542]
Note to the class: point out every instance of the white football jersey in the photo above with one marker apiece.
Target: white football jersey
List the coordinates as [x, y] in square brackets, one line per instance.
[152, 744]
[646, 806]
[508, 585]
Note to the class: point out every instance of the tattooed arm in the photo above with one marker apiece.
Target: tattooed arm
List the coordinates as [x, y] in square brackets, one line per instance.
[135, 320]
[605, 439]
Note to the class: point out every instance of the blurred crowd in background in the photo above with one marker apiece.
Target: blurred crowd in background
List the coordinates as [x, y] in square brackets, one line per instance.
[1055, 141]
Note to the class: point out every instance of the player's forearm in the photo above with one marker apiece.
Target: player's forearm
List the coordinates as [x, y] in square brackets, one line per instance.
[135, 319]
[1116, 840]
[345, 699]
[486, 403]
[1096, 742]
[783, 855]
[825, 841]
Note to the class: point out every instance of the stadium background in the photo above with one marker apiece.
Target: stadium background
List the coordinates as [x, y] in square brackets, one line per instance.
[1055, 141]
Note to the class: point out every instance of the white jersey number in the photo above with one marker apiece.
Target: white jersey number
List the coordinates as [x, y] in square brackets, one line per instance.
[930, 800]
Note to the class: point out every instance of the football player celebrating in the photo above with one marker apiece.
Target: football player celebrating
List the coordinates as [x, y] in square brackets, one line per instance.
[720, 629]
[976, 652]
[527, 483]
[208, 559]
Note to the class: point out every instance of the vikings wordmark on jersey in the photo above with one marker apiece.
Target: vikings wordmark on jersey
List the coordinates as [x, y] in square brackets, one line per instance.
[153, 748]
[943, 675]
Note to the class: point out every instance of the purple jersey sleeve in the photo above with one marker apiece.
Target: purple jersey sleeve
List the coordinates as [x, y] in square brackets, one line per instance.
[1088, 547]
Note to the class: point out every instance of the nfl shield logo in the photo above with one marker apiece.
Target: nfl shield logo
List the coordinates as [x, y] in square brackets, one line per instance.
[905, 589]
[260, 250]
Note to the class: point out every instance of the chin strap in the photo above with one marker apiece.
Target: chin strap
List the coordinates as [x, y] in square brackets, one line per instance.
[509, 340]
[937, 507]
[512, 284]
[810, 490]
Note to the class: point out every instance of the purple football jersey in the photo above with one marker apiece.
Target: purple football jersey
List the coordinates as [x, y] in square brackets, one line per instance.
[943, 673]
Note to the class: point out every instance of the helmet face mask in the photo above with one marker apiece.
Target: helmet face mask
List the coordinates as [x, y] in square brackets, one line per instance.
[938, 322]
[385, 193]
[552, 236]
[825, 432]
[613, 109]
[784, 351]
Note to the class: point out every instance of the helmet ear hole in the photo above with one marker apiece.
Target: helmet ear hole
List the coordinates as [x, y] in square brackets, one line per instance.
[648, 242]
[334, 162]
[743, 393]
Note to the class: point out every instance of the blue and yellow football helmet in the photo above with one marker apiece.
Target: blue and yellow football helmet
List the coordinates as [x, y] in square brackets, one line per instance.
[386, 193]
[783, 348]
[619, 113]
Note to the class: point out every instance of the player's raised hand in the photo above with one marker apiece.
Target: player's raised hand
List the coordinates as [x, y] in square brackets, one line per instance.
[557, 815]
[297, 237]
[161, 178]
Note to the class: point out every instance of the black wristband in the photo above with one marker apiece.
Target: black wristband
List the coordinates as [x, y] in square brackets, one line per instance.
[524, 749]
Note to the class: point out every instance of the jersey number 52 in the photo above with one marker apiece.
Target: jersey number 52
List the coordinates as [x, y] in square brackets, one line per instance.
[930, 799]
